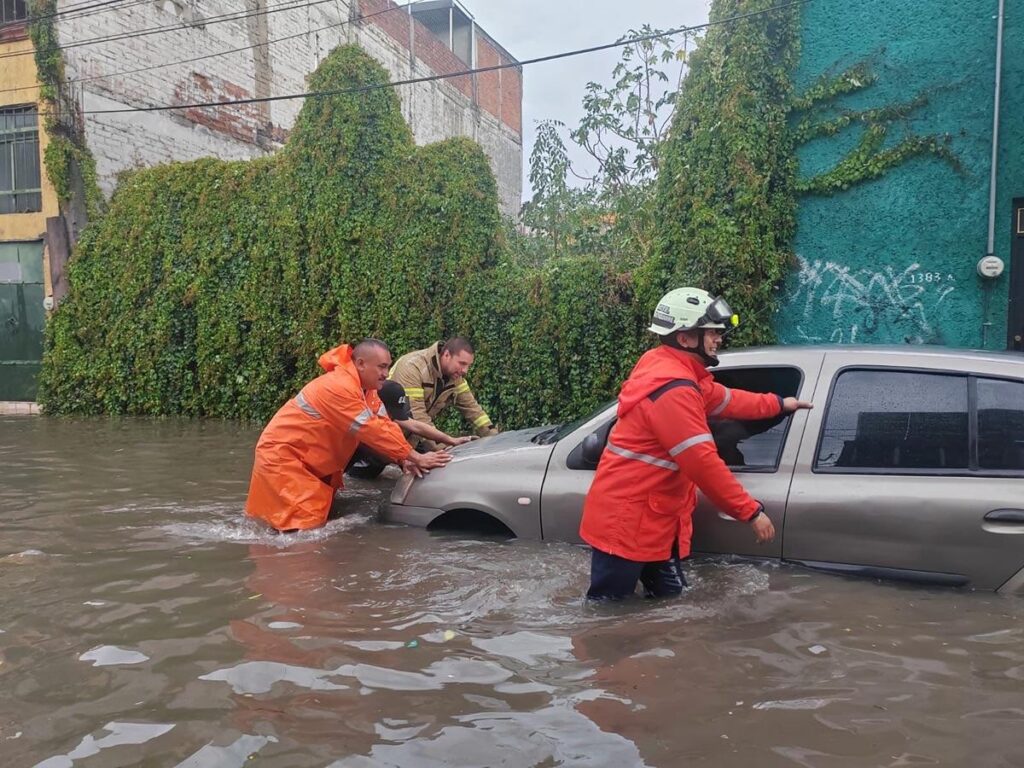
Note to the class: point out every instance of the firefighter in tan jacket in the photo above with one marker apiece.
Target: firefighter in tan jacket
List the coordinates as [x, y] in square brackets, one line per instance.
[433, 378]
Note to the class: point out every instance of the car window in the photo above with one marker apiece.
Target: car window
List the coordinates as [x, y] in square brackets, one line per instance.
[897, 421]
[1000, 424]
[754, 445]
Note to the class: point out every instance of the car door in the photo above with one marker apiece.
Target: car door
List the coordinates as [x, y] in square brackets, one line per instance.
[914, 470]
[762, 454]
[568, 479]
[765, 456]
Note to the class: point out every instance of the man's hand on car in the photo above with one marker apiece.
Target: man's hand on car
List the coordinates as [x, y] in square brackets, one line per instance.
[420, 464]
[791, 404]
[763, 528]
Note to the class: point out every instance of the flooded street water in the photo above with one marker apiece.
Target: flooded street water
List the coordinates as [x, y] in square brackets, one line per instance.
[145, 622]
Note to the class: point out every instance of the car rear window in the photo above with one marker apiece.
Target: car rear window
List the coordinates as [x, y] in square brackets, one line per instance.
[1000, 424]
[896, 420]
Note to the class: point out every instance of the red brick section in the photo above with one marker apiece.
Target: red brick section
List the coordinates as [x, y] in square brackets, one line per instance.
[488, 84]
[512, 98]
[435, 54]
[239, 121]
[395, 23]
[501, 96]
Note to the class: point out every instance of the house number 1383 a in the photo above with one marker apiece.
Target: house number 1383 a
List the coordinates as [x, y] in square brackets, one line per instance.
[931, 277]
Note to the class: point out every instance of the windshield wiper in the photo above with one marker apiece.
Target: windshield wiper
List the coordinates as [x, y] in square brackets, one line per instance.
[541, 438]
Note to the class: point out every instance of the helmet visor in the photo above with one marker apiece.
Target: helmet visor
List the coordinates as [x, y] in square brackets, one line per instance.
[719, 313]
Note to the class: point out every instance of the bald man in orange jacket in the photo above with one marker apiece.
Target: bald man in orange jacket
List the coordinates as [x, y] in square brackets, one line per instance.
[303, 451]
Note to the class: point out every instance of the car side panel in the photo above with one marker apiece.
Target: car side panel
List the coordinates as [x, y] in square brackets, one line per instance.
[917, 524]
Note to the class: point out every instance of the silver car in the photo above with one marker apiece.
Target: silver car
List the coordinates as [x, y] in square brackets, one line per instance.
[910, 466]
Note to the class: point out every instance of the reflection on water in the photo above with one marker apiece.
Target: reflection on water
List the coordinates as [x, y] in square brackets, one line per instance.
[145, 621]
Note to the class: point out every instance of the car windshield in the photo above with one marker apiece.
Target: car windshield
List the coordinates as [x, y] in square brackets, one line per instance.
[555, 433]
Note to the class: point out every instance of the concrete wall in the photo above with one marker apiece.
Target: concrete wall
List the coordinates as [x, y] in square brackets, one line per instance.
[122, 141]
[893, 260]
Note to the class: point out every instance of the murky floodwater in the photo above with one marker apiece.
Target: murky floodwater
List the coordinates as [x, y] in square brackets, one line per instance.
[144, 622]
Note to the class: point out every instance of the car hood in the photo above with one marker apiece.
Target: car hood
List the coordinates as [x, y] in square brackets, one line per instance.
[502, 443]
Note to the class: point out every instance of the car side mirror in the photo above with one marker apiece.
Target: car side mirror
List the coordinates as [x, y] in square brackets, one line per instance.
[586, 454]
[593, 447]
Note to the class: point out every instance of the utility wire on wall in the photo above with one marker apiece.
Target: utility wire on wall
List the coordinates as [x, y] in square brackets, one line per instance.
[461, 73]
[82, 9]
[233, 16]
[228, 52]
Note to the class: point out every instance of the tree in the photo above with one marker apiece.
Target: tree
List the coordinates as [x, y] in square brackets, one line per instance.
[608, 212]
[625, 123]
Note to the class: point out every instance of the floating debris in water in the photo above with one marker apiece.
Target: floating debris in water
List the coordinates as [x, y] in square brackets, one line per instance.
[449, 635]
[817, 650]
[412, 644]
[22, 557]
[111, 655]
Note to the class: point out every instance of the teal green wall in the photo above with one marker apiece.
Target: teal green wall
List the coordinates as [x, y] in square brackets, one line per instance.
[893, 260]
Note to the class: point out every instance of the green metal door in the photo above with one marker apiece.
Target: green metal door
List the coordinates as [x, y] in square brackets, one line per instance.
[21, 319]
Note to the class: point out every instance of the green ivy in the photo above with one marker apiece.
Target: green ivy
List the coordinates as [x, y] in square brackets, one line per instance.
[67, 153]
[209, 288]
[726, 198]
[870, 158]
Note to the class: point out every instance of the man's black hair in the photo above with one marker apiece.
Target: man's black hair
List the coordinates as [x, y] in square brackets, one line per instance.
[457, 344]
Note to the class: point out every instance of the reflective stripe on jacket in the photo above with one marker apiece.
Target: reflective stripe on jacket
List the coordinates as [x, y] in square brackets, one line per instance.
[429, 393]
[659, 452]
[303, 451]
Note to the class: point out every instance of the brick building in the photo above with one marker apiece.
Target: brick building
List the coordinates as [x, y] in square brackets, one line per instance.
[147, 53]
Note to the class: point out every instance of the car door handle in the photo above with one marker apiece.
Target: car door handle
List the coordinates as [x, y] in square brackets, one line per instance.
[1006, 516]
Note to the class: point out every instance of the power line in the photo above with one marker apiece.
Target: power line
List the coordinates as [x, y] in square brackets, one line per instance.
[69, 10]
[233, 16]
[462, 73]
[222, 53]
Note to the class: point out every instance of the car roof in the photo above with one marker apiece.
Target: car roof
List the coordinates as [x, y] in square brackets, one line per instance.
[897, 350]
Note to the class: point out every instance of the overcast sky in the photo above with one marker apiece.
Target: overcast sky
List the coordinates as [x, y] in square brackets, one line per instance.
[531, 28]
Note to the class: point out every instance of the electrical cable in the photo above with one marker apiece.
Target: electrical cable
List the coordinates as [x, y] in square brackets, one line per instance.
[461, 73]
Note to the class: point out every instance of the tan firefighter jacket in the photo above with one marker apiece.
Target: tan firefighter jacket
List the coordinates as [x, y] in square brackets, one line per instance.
[429, 393]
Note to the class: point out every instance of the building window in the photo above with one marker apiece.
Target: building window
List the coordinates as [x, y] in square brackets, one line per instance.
[13, 10]
[20, 190]
[896, 421]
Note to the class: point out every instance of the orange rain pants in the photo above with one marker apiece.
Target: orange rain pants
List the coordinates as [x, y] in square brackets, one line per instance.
[303, 451]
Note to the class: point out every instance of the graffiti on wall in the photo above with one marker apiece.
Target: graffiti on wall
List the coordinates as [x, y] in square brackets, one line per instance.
[838, 304]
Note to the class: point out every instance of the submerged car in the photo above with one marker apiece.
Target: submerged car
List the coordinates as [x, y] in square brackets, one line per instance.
[910, 466]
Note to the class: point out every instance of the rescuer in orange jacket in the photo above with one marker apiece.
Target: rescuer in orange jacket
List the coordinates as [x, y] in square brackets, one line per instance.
[303, 451]
[638, 513]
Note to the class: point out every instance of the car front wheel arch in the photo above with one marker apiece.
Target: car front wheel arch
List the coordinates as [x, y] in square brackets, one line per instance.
[466, 520]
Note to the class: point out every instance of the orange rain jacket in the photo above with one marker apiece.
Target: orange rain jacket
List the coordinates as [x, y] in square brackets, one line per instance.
[659, 452]
[303, 451]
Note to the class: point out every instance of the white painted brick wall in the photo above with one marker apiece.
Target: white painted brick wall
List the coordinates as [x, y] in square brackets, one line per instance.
[125, 141]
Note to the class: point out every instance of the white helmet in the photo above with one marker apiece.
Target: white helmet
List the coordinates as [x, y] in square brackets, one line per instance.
[687, 309]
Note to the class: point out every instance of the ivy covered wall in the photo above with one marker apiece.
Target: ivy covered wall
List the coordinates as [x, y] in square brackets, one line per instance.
[210, 288]
[893, 128]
